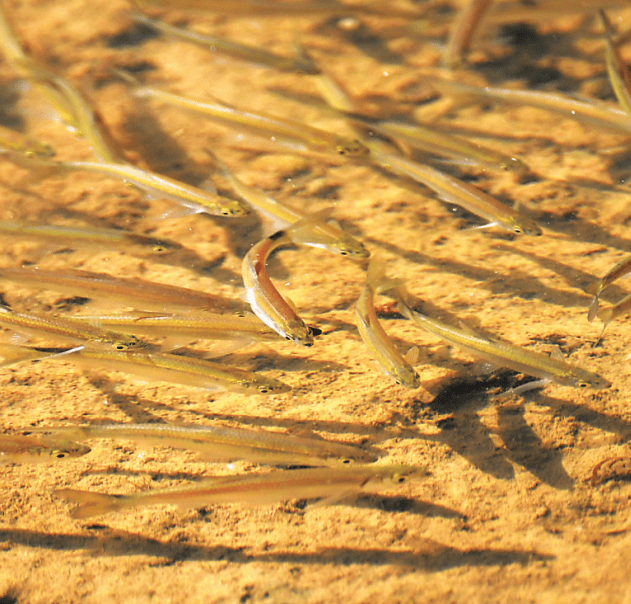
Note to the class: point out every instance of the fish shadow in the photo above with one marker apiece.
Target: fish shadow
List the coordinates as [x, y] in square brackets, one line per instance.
[434, 557]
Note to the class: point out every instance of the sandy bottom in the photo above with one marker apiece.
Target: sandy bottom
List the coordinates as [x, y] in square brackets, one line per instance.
[510, 512]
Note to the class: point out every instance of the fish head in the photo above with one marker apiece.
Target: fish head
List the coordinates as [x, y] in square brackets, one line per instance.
[272, 386]
[154, 245]
[231, 207]
[515, 164]
[352, 148]
[524, 226]
[406, 376]
[352, 248]
[392, 476]
[355, 457]
[65, 450]
[128, 342]
[296, 331]
[587, 379]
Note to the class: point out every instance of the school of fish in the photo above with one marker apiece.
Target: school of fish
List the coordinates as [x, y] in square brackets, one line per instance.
[162, 337]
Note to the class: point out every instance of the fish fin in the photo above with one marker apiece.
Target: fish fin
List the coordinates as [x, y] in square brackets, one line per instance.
[301, 230]
[412, 356]
[171, 343]
[291, 304]
[180, 212]
[405, 148]
[273, 225]
[592, 313]
[557, 354]
[224, 347]
[483, 226]
[606, 316]
[376, 277]
[90, 504]
[127, 77]
[593, 288]
[208, 185]
[529, 386]
[472, 332]
[332, 499]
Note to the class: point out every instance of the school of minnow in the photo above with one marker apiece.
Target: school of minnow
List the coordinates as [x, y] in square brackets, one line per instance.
[146, 326]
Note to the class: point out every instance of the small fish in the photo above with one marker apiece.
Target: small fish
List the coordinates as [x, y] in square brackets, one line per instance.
[463, 194]
[257, 56]
[144, 295]
[189, 326]
[16, 448]
[89, 238]
[607, 315]
[298, 135]
[22, 143]
[618, 70]
[84, 121]
[327, 484]
[193, 198]
[593, 113]
[223, 443]
[432, 140]
[177, 369]
[463, 30]
[618, 270]
[265, 8]
[503, 354]
[322, 234]
[264, 299]
[374, 336]
[67, 329]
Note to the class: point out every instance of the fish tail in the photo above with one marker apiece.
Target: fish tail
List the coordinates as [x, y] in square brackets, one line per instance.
[377, 280]
[91, 504]
[606, 316]
[593, 288]
[593, 309]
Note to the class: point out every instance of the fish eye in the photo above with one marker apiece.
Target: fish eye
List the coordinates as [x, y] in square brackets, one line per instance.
[399, 478]
[343, 252]
[583, 384]
[60, 454]
[159, 249]
[225, 212]
[120, 347]
[263, 389]
[517, 229]
[288, 338]
[398, 382]
[347, 461]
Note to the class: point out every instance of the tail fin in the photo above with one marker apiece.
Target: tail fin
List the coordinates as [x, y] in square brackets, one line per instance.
[91, 504]
[593, 308]
[377, 280]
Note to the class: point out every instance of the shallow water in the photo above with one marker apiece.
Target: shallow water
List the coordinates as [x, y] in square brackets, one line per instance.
[510, 509]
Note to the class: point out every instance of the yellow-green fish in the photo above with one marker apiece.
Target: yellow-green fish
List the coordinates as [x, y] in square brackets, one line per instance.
[265, 300]
[17, 448]
[459, 192]
[177, 369]
[374, 336]
[327, 484]
[223, 443]
[143, 295]
[618, 270]
[320, 234]
[618, 70]
[297, 135]
[251, 54]
[504, 354]
[67, 329]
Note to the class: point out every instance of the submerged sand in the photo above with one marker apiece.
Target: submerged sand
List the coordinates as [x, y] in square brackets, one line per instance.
[510, 512]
